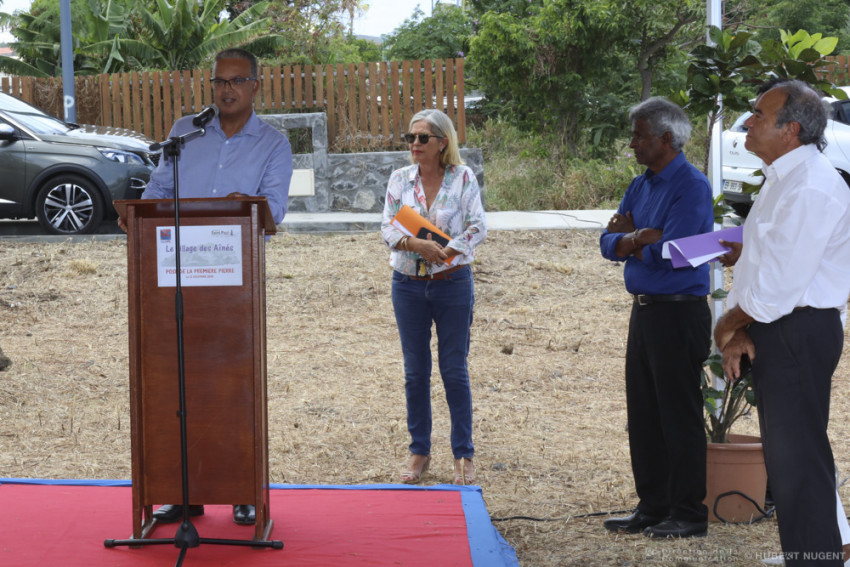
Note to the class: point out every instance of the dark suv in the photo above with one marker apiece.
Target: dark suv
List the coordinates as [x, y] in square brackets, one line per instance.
[63, 175]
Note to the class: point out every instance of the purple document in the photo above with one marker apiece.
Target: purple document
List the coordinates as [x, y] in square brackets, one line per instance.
[692, 251]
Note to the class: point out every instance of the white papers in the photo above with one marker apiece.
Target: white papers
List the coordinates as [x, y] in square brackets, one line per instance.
[211, 255]
[397, 223]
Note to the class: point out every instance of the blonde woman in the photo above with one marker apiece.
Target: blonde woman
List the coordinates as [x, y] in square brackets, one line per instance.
[426, 290]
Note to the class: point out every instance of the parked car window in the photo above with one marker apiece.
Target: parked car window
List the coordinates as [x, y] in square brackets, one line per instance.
[40, 123]
[841, 111]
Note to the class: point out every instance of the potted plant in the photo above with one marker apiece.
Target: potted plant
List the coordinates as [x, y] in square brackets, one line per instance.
[722, 72]
[725, 401]
[736, 479]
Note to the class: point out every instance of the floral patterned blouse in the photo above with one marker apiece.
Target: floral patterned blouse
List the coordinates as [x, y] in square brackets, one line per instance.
[456, 210]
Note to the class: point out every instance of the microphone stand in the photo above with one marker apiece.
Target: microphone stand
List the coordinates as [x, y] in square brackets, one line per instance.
[186, 536]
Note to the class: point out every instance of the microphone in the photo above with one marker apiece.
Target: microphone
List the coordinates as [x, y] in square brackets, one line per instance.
[202, 118]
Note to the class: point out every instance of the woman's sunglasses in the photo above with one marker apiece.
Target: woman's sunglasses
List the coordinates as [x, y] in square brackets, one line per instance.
[423, 138]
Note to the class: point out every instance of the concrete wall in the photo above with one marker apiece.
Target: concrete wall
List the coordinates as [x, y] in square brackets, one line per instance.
[347, 182]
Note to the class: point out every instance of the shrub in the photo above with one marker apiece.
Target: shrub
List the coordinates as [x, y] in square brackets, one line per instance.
[528, 172]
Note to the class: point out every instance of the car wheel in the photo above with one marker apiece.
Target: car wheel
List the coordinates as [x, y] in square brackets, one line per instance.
[69, 204]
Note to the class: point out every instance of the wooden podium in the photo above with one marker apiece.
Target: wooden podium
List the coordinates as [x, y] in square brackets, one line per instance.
[224, 345]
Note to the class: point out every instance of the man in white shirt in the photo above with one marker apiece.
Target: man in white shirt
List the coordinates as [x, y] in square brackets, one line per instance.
[786, 312]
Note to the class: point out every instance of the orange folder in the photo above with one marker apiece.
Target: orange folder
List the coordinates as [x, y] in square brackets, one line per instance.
[412, 223]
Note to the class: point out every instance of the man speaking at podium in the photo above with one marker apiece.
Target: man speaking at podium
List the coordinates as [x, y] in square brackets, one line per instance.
[239, 152]
[239, 155]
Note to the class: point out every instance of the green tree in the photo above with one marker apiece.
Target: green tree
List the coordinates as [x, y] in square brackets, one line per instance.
[518, 8]
[106, 22]
[718, 74]
[829, 17]
[800, 56]
[352, 8]
[308, 27]
[7, 20]
[659, 31]
[556, 70]
[312, 30]
[353, 50]
[120, 35]
[37, 40]
[186, 34]
[444, 34]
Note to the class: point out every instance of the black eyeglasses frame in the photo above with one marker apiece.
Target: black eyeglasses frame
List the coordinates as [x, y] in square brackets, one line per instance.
[234, 83]
[423, 138]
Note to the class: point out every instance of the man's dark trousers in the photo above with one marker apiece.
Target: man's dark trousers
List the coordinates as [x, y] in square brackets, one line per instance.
[667, 346]
[792, 375]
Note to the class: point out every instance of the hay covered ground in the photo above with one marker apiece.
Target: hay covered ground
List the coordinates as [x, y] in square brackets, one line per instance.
[546, 366]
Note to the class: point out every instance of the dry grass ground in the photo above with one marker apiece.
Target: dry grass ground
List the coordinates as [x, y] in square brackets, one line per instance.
[546, 366]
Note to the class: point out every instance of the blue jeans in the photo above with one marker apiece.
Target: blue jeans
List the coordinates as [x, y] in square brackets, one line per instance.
[448, 303]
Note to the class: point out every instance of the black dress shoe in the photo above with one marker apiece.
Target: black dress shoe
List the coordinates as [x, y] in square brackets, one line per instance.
[633, 524]
[244, 514]
[171, 513]
[677, 528]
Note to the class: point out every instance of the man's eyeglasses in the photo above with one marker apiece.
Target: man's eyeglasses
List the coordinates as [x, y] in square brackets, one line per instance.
[235, 82]
[423, 138]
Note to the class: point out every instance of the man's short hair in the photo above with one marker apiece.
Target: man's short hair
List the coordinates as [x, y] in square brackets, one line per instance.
[770, 83]
[804, 106]
[664, 116]
[239, 53]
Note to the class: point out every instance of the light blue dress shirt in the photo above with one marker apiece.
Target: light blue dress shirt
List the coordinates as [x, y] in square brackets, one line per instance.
[255, 161]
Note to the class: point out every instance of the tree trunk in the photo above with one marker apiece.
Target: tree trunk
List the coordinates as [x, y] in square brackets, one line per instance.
[712, 118]
[645, 72]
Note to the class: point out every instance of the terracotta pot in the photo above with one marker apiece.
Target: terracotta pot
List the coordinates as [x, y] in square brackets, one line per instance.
[737, 465]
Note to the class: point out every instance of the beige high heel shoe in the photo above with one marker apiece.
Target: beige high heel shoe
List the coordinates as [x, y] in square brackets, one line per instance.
[417, 465]
[464, 471]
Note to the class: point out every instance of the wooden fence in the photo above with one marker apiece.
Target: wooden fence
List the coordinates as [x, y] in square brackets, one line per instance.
[839, 73]
[368, 105]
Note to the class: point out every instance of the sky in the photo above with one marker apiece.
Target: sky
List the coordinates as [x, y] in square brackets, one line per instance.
[382, 17]
[10, 6]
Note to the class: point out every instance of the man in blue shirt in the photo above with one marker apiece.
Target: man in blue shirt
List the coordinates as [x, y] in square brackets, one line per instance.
[238, 155]
[670, 326]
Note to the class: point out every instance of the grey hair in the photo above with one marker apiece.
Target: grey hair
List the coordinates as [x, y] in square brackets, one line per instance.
[441, 125]
[239, 53]
[803, 106]
[663, 116]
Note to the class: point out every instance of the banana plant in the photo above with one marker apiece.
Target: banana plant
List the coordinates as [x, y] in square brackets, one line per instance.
[186, 33]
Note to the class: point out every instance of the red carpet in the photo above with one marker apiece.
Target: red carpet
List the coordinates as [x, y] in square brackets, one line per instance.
[65, 525]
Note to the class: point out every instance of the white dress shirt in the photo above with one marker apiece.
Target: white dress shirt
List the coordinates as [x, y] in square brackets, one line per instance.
[796, 249]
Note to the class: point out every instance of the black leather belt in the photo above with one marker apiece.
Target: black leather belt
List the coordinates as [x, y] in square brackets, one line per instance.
[641, 299]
